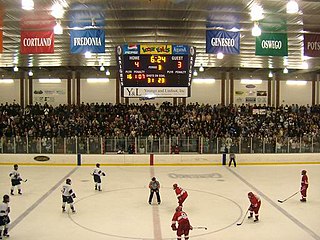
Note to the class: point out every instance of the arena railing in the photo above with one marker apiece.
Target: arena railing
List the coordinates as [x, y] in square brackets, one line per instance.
[159, 145]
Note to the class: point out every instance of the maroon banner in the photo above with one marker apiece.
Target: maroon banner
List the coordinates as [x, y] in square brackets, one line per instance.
[37, 42]
[1, 27]
[311, 45]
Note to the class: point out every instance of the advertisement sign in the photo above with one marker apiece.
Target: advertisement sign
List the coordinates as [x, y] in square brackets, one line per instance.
[33, 42]
[311, 44]
[272, 44]
[91, 40]
[155, 92]
[222, 41]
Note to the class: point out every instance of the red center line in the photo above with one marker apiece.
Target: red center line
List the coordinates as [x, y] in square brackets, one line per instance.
[156, 216]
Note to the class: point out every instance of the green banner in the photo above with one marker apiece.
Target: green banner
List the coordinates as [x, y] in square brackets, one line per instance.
[272, 44]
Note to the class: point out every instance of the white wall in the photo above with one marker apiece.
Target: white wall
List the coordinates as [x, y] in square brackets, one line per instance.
[205, 93]
[51, 93]
[250, 93]
[98, 92]
[290, 94]
[10, 92]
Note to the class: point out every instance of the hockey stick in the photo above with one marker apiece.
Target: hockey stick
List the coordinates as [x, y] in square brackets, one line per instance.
[245, 215]
[205, 228]
[25, 180]
[281, 201]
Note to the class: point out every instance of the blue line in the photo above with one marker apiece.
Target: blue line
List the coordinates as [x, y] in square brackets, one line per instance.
[40, 200]
[284, 212]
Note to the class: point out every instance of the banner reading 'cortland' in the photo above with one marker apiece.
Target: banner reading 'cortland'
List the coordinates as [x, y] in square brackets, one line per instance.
[311, 45]
[33, 42]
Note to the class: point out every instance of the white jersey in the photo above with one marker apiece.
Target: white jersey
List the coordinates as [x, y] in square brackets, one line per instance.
[67, 190]
[4, 209]
[15, 175]
[97, 171]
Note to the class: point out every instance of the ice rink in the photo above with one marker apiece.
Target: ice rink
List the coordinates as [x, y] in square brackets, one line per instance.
[217, 200]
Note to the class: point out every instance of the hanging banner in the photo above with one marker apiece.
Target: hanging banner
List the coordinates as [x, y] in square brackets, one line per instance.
[91, 40]
[86, 15]
[272, 44]
[37, 42]
[311, 44]
[1, 27]
[222, 41]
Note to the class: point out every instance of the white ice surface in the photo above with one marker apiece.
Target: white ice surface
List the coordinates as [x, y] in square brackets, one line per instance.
[217, 200]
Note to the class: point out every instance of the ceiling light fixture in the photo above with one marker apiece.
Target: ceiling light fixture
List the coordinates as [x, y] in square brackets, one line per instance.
[87, 54]
[256, 30]
[57, 10]
[58, 28]
[102, 68]
[220, 55]
[251, 81]
[256, 13]
[270, 74]
[195, 73]
[50, 80]
[292, 7]
[108, 72]
[6, 81]
[305, 65]
[27, 4]
[201, 68]
[15, 69]
[285, 70]
[97, 80]
[296, 82]
[30, 73]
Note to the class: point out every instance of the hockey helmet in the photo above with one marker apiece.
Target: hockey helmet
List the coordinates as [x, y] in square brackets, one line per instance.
[6, 198]
[304, 172]
[98, 165]
[68, 181]
[250, 194]
[175, 186]
[15, 167]
[153, 179]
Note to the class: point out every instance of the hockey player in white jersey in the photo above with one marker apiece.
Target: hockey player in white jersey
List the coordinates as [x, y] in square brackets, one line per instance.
[67, 196]
[4, 216]
[15, 179]
[97, 173]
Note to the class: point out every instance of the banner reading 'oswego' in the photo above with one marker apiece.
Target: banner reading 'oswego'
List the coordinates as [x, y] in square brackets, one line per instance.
[33, 42]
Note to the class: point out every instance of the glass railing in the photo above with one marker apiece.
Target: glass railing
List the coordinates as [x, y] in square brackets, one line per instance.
[165, 145]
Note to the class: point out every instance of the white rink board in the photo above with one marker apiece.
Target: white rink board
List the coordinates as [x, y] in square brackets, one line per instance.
[174, 159]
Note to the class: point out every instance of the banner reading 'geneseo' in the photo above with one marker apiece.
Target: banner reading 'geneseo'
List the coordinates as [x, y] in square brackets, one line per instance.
[33, 42]
[311, 45]
[272, 44]
[222, 41]
[91, 40]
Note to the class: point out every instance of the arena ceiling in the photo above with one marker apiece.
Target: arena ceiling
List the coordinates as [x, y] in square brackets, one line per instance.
[172, 22]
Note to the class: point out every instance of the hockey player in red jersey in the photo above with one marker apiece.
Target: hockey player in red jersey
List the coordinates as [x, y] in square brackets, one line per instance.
[304, 186]
[181, 194]
[255, 204]
[184, 226]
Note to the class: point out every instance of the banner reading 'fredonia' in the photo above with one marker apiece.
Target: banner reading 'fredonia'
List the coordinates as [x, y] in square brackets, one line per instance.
[222, 41]
[91, 40]
[311, 45]
[272, 44]
[33, 42]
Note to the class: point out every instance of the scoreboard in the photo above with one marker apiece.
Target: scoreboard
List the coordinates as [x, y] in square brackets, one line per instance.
[157, 70]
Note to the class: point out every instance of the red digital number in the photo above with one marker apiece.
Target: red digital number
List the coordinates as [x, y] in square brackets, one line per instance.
[179, 64]
[137, 64]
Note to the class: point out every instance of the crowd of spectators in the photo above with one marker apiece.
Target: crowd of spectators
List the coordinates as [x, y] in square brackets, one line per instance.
[163, 120]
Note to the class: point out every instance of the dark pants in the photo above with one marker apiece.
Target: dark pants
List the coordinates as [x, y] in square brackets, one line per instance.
[232, 160]
[152, 191]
